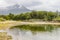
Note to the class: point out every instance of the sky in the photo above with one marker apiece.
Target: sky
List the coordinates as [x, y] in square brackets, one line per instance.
[49, 5]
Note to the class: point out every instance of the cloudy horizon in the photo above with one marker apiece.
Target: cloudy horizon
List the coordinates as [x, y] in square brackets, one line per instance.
[51, 5]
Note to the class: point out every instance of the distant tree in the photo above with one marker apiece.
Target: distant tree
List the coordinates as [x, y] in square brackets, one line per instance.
[34, 14]
[42, 15]
[51, 16]
[11, 16]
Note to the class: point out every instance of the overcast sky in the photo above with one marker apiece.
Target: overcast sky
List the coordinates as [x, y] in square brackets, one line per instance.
[33, 4]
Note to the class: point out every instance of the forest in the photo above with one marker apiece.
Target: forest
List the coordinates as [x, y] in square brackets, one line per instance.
[41, 15]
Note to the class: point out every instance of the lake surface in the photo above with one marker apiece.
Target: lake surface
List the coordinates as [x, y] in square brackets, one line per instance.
[25, 33]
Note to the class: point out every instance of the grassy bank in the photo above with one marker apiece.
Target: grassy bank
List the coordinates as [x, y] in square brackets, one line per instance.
[8, 24]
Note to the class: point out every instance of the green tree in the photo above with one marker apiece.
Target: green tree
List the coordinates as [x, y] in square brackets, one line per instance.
[11, 16]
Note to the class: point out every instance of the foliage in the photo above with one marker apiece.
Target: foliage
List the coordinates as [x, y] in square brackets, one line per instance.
[2, 19]
[42, 15]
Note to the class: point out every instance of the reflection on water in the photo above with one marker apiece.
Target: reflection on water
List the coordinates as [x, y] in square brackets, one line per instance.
[26, 34]
[36, 28]
[22, 33]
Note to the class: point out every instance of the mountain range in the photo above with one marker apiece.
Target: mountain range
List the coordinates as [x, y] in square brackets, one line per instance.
[15, 9]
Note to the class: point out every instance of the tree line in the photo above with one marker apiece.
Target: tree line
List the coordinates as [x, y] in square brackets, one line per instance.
[42, 15]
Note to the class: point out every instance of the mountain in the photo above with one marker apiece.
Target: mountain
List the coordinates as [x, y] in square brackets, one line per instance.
[15, 9]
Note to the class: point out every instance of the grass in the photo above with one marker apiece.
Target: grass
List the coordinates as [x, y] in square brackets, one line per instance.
[5, 24]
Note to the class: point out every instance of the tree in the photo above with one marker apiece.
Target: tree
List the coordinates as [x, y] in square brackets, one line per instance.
[11, 16]
[51, 16]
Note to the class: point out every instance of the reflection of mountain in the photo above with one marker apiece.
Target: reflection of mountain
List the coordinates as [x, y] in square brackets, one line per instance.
[14, 9]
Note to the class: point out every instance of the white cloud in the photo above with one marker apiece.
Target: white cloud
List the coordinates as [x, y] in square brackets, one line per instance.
[33, 4]
[3, 3]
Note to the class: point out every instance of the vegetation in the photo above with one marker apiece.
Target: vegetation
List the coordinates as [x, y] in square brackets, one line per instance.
[57, 18]
[2, 19]
[41, 15]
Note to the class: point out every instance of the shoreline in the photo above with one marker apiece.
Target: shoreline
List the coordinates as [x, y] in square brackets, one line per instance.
[22, 22]
[7, 24]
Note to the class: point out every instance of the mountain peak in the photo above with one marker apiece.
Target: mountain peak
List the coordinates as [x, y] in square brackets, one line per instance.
[15, 9]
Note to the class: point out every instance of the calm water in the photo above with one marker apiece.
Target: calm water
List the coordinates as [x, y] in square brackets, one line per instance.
[19, 34]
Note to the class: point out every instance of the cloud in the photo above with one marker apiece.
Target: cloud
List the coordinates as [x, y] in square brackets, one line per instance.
[24, 2]
[33, 4]
[3, 3]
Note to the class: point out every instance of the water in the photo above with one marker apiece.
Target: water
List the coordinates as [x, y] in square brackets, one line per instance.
[28, 35]
[19, 34]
